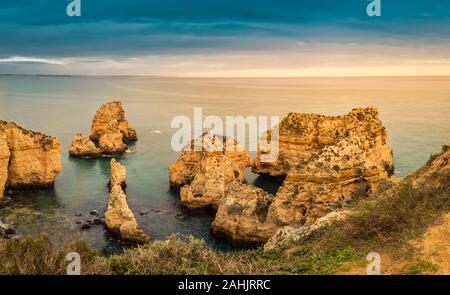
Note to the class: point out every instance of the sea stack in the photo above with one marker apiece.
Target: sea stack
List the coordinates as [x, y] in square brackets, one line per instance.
[110, 133]
[118, 217]
[205, 169]
[28, 159]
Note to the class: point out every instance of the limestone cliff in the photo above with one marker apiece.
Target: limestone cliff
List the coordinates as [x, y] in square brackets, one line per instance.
[327, 161]
[435, 174]
[31, 159]
[118, 217]
[4, 163]
[433, 177]
[109, 132]
[355, 138]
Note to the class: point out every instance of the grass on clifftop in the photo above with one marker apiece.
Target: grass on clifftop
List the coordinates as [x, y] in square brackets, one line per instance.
[380, 223]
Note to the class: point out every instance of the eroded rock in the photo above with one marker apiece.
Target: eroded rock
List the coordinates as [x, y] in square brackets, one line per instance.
[34, 158]
[189, 164]
[327, 162]
[110, 131]
[433, 177]
[242, 215]
[287, 236]
[210, 183]
[111, 141]
[314, 140]
[112, 111]
[118, 173]
[82, 146]
[118, 217]
[4, 163]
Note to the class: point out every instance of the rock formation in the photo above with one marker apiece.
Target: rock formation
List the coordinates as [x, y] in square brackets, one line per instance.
[350, 157]
[189, 163]
[118, 173]
[4, 163]
[118, 217]
[82, 146]
[289, 235]
[111, 111]
[435, 174]
[28, 159]
[109, 132]
[431, 178]
[326, 160]
[206, 168]
[309, 139]
[111, 141]
[209, 184]
[242, 215]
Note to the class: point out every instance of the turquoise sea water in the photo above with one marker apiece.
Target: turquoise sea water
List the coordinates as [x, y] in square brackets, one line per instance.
[415, 111]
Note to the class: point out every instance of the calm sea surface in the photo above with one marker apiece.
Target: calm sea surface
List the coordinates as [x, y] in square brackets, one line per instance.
[415, 111]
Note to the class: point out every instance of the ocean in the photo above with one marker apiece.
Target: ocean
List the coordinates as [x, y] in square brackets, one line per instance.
[414, 110]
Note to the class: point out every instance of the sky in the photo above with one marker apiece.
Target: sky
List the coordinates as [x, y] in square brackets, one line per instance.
[211, 38]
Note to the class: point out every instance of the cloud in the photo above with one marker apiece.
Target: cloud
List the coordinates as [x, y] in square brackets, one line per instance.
[116, 36]
[27, 59]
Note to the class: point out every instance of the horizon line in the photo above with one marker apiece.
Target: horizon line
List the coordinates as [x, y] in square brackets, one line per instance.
[220, 77]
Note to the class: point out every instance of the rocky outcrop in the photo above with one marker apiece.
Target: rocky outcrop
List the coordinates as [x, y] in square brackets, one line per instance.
[109, 133]
[188, 165]
[206, 168]
[118, 173]
[4, 163]
[107, 113]
[431, 178]
[111, 141]
[209, 184]
[289, 235]
[435, 174]
[82, 146]
[31, 159]
[309, 139]
[242, 215]
[326, 162]
[118, 217]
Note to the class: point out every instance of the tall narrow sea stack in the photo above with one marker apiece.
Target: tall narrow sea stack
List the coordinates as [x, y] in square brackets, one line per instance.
[118, 217]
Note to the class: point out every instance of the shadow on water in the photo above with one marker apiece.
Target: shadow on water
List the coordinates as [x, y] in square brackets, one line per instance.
[268, 184]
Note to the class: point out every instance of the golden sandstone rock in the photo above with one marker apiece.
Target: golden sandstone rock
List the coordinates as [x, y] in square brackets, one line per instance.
[82, 146]
[111, 140]
[326, 162]
[433, 177]
[111, 111]
[206, 168]
[31, 159]
[4, 163]
[118, 173]
[110, 130]
[118, 217]
[242, 215]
